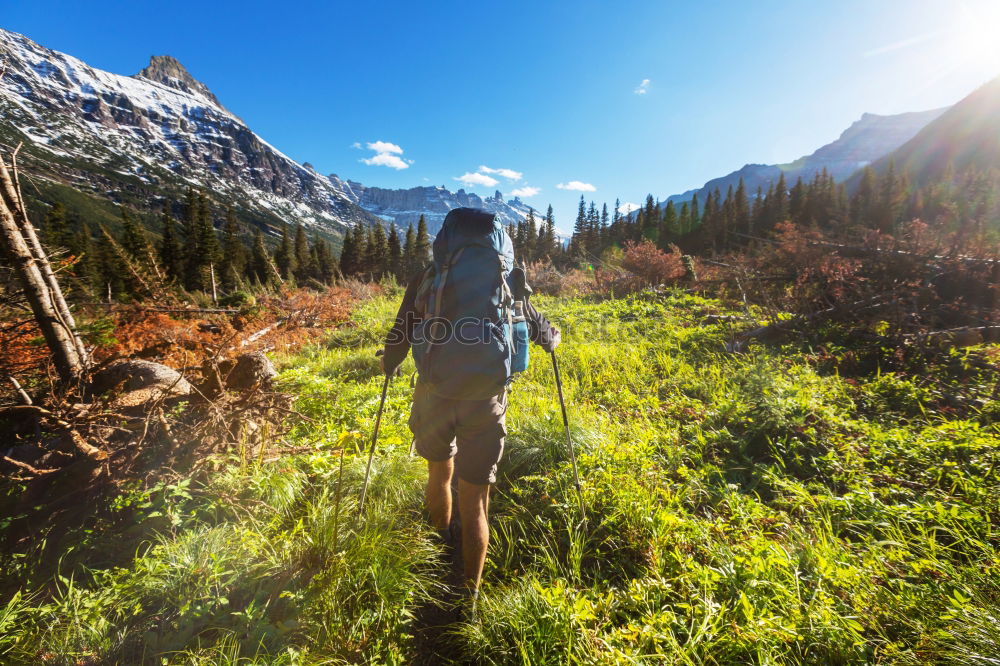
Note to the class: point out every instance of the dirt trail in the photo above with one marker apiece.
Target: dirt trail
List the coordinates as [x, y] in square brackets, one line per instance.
[436, 620]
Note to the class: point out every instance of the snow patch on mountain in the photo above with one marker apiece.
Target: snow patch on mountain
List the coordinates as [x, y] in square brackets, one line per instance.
[159, 127]
[405, 206]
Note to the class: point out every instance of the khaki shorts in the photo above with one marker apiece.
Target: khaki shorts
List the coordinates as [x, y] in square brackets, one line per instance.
[470, 431]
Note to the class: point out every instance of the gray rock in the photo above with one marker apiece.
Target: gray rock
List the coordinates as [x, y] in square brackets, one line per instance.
[250, 370]
[136, 374]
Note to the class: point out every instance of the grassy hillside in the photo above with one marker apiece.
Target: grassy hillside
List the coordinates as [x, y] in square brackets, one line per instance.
[742, 509]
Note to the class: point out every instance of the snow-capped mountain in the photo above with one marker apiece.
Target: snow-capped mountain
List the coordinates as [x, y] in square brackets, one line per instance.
[865, 141]
[144, 137]
[405, 207]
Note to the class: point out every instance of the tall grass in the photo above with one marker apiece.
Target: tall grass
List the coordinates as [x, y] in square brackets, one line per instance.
[742, 509]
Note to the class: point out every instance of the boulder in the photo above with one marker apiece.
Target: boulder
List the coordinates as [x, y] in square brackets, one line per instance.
[251, 370]
[128, 375]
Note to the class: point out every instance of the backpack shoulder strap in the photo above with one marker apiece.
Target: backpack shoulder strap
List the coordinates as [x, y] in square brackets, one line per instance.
[452, 260]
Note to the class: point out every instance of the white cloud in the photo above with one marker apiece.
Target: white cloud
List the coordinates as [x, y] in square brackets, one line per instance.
[643, 87]
[577, 186]
[477, 179]
[385, 147]
[387, 160]
[627, 207]
[386, 154]
[356, 144]
[526, 191]
[509, 174]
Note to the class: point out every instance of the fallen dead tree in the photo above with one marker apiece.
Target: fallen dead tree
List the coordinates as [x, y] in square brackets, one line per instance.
[776, 330]
[52, 314]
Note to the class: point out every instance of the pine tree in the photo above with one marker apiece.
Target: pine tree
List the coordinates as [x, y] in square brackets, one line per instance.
[797, 202]
[409, 259]
[890, 200]
[684, 219]
[259, 266]
[110, 267]
[349, 254]
[377, 259]
[169, 249]
[323, 260]
[132, 239]
[579, 239]
[87, 266]
[756, 212]
[552, 247]
[422, 249]
[650, 219]
[530, 250]
[362, 236]
[233, 252]
[741, 210]
[669, 231]
[395, 259]
[518, 238]
[865, 199]
[202, 246]
[303, 258]
[779, 207]
[284, 255]
[708, 228]
[694, 216]
[55, 229]
[210, 249]
[190, 270]
[604, 229]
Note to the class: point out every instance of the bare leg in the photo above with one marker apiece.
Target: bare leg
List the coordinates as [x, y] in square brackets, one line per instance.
[438, 494]
[473, 505]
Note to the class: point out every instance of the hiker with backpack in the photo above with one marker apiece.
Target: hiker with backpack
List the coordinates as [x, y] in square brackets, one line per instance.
[468, 320]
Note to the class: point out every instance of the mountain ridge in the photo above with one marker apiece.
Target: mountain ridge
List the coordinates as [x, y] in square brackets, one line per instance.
[404, 206]
[966, 136]
[864, 141]
[143, 139]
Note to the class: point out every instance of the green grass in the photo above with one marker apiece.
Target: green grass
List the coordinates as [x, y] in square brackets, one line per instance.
[742, 509]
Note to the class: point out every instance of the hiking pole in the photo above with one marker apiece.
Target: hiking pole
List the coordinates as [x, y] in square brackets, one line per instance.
[569, 439]
[371, 451]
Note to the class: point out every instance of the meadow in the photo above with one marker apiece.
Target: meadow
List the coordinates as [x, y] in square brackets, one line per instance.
[764, 507]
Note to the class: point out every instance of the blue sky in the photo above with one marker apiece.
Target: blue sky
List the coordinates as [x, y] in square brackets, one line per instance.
[550, 92]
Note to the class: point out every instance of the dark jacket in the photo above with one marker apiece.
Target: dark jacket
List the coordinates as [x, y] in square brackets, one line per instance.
[397, 342]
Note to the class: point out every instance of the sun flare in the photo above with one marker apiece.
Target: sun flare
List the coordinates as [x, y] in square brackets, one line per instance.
[975, 36]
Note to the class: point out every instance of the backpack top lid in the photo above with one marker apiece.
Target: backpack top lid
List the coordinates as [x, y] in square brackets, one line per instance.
[464, 227]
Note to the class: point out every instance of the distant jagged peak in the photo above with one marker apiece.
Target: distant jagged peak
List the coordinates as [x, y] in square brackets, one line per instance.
[170, 72]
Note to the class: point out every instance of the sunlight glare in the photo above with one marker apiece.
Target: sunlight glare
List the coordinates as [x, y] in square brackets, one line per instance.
[976, 34]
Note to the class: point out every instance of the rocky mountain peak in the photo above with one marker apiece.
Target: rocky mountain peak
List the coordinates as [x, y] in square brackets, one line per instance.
[169, 71]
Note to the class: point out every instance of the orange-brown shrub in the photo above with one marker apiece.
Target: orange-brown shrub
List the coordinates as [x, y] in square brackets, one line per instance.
[651, 265]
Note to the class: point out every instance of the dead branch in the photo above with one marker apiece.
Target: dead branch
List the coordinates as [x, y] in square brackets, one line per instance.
[28, 468]
[21, 392]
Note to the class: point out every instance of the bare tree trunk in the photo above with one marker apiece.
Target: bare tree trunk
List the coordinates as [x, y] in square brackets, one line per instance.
[215, 296]
[13, 189]
[39, 283]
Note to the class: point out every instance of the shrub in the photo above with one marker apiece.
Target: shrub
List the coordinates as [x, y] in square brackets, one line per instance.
[651, 265]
